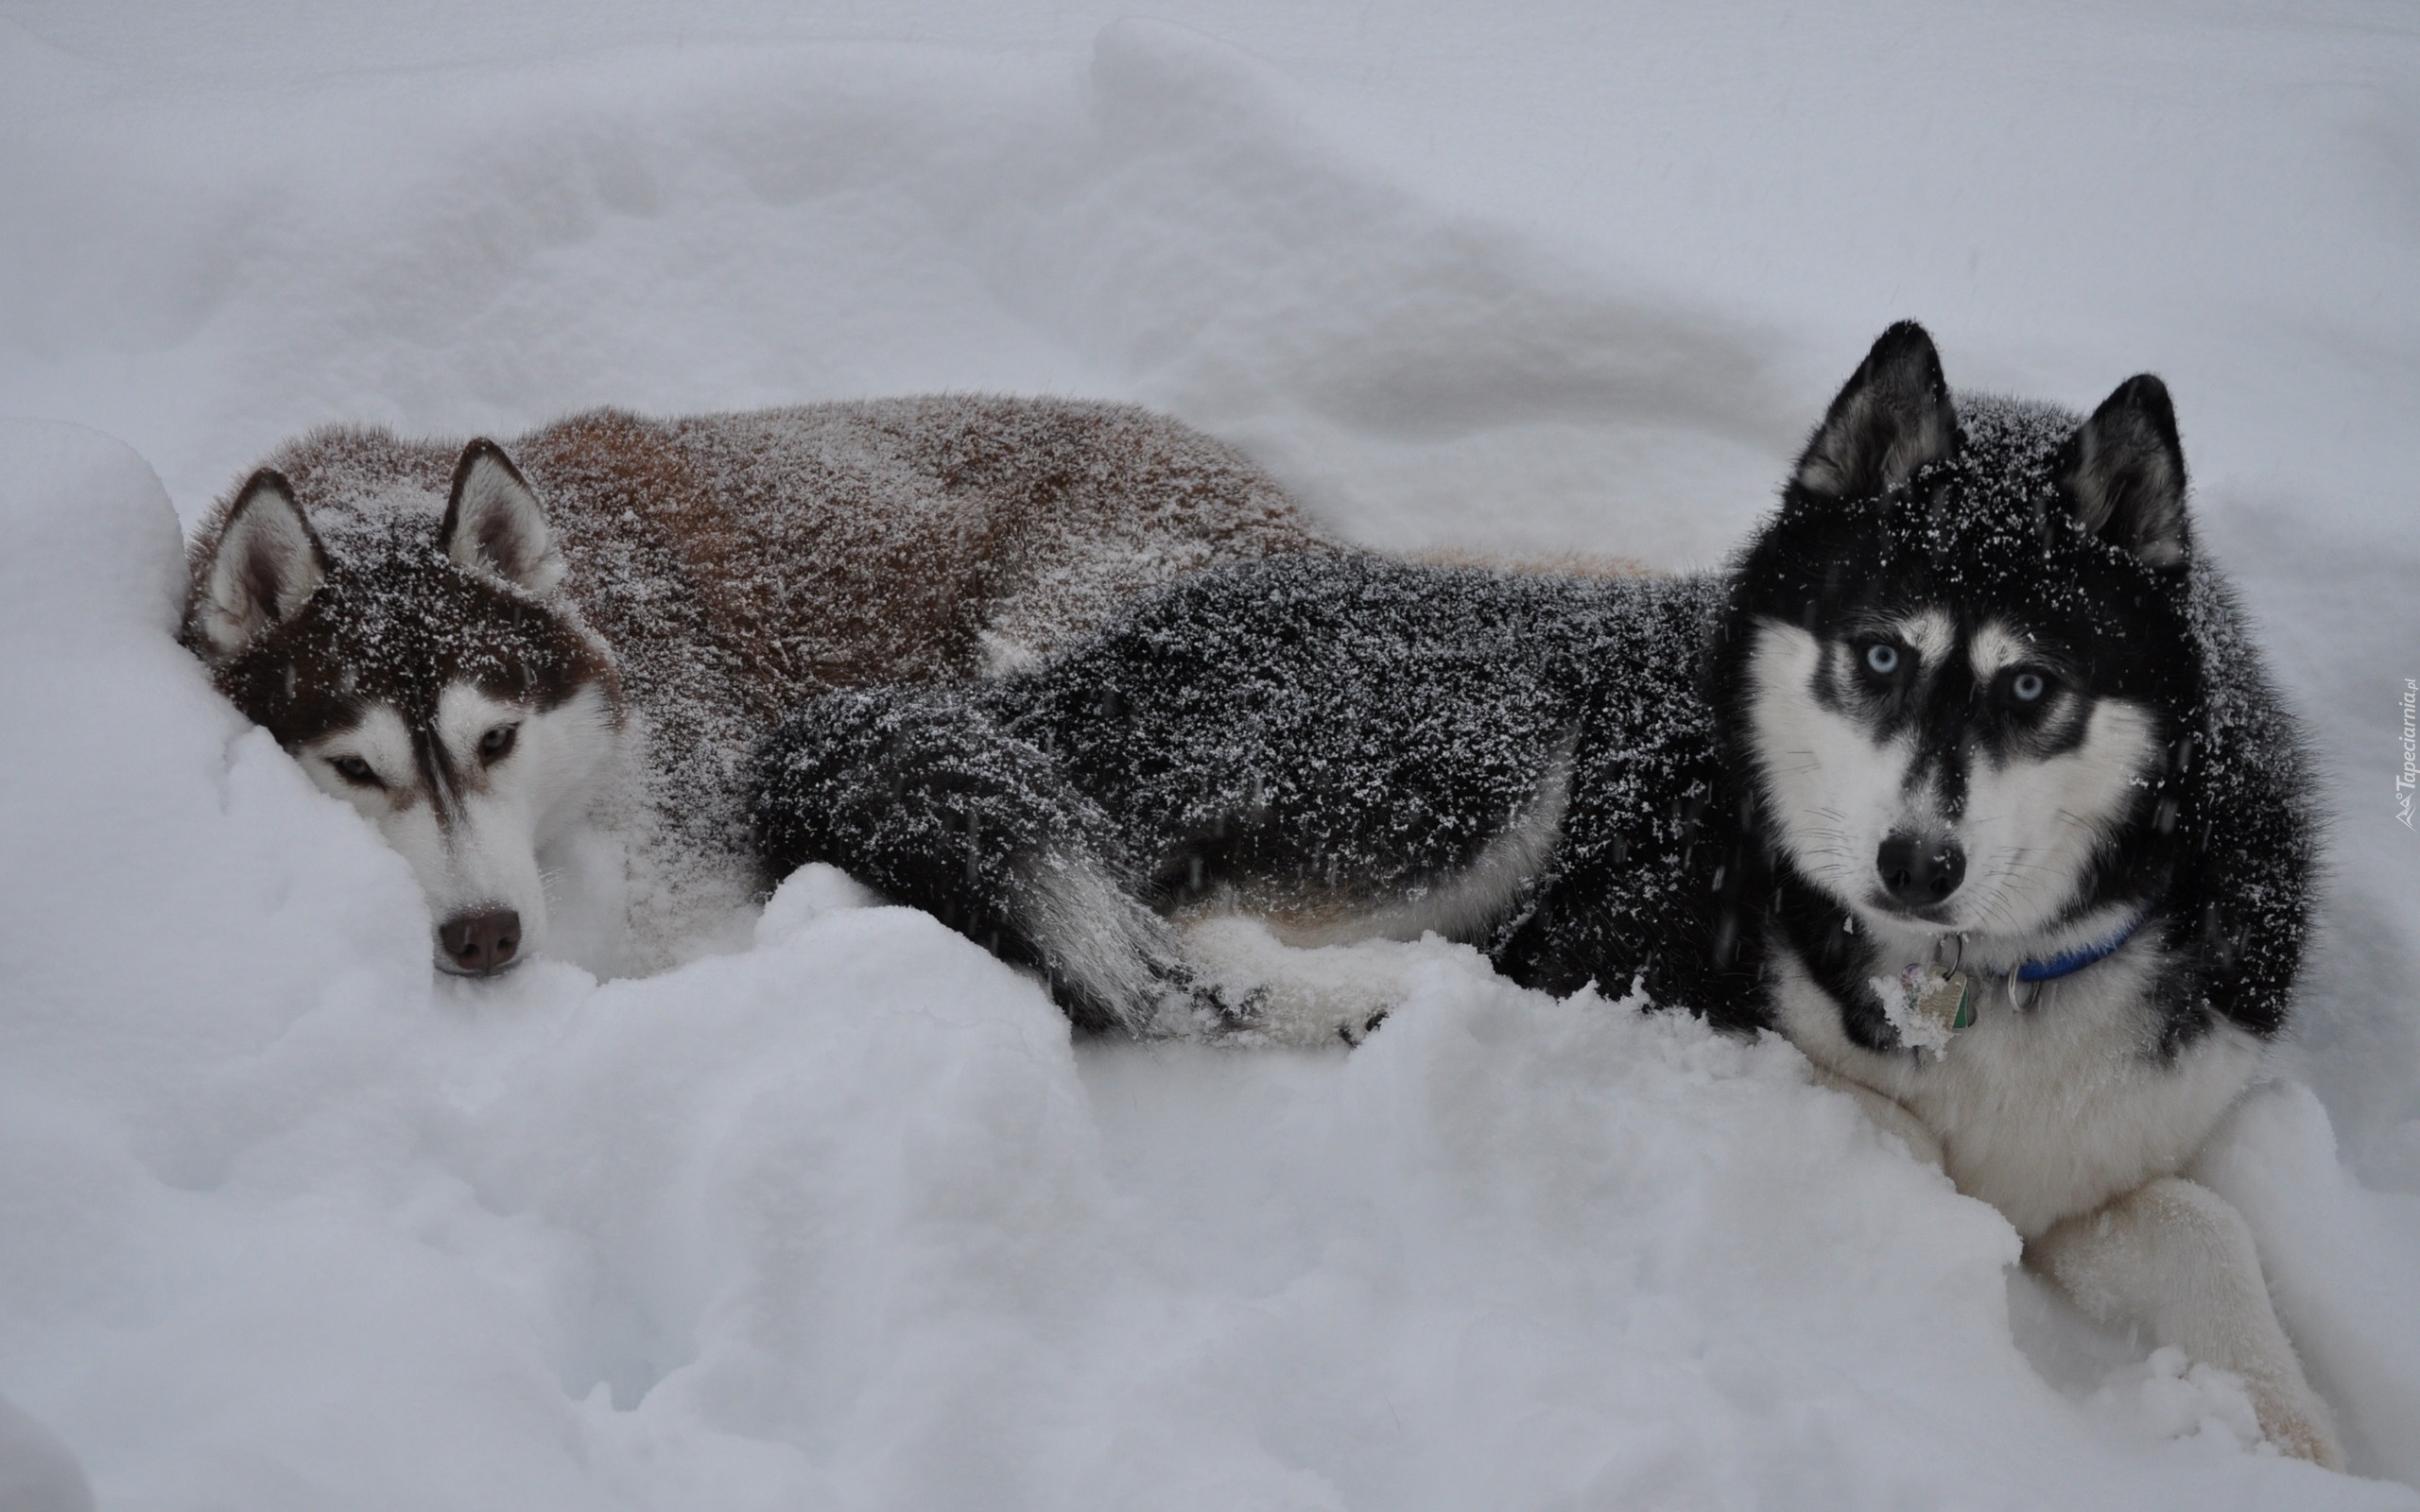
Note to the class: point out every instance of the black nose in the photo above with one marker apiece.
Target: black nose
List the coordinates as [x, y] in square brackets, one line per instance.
[480, 944]
[1918, 872]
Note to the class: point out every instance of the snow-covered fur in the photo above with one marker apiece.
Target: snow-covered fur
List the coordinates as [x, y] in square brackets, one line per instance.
[1970, 700]
[540, 669]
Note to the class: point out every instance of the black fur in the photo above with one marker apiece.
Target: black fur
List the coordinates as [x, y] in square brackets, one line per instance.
[1361, 728]
[922, 797]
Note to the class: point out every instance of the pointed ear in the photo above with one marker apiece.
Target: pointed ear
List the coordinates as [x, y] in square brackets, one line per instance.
[494, 525]
[1892, 417]
[2122, 474]
[265, 564]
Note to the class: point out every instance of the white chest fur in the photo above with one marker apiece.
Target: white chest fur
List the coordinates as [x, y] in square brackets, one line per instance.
[2052, 1110]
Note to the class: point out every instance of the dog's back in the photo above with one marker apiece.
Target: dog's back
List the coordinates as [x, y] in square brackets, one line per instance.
[730, 564]
[739, 562]
[1349, 748]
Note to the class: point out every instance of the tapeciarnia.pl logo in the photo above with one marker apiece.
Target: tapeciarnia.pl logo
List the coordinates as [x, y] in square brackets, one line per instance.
[2406, 780]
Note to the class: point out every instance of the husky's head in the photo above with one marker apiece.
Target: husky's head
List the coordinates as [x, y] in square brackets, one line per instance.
[424, 668]
[1959, 668]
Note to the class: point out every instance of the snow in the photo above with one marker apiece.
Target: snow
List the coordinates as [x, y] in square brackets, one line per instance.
[844, 1219]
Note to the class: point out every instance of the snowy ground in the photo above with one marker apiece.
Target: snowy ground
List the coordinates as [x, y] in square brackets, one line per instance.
[843, 1221]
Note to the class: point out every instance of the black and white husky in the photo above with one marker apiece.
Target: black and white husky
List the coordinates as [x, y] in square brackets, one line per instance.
[543, 672]
[1966, 777]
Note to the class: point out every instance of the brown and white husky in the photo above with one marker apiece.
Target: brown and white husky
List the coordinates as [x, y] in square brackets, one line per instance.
[539, 668]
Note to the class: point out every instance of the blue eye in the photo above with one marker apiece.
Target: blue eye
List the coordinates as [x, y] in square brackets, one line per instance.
[2028, 687]
[1883, 659]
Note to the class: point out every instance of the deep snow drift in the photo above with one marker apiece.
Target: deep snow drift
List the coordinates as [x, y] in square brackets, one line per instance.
[843, 1220]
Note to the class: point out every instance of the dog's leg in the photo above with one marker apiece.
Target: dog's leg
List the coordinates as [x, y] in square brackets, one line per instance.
[1321, 995]
[920, 797]
[1887, 1116]
[2178, 1258]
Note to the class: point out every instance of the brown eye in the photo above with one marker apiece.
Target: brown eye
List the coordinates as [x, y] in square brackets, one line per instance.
[356, 771]
[498, 744]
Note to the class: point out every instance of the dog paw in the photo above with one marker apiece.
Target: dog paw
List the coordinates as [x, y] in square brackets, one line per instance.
[1233, 1008]
[2297, 1422]
[1356, 1031]
[1193, 1008]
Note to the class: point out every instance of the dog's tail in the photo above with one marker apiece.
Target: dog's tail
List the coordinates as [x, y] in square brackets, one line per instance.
[921, 797]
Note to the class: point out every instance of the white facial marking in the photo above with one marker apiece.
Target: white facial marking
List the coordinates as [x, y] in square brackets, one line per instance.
[1832, 788]
[1931, 633]
[2031, 826]
[1994, 647]
[1836, 788]
[481, 853]
[464, 716]
[380, 742]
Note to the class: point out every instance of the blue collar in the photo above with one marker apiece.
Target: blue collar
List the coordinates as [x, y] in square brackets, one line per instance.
[2076, 960]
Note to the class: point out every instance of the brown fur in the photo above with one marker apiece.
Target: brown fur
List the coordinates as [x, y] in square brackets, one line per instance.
[737, 563]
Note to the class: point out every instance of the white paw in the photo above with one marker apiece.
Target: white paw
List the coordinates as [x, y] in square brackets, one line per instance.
[2293, 1418]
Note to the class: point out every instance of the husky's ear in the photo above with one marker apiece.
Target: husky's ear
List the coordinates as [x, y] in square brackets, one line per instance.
[2123, 473]
[264, 563]
[494, 525]
[1892, 417]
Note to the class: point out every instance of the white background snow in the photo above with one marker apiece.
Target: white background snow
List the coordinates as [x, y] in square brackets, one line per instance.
[844, 1221]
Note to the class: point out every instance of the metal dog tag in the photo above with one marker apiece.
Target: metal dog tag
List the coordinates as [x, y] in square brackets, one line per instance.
[1927, 1005]
[1948, 1001]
